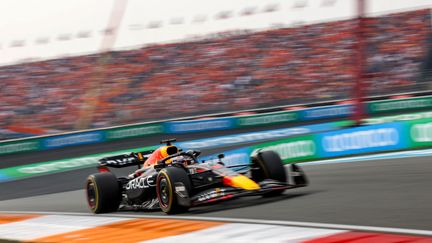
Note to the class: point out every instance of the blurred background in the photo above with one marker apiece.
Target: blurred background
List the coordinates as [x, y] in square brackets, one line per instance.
[72, 65]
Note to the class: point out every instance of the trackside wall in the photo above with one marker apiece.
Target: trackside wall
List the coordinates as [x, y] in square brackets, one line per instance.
[403, 135]
[178, 127]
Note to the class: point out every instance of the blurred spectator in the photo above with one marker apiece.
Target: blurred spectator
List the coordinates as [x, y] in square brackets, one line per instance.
[225, 72]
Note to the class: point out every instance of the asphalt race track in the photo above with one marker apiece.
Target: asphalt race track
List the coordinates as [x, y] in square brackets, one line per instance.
[384, 193]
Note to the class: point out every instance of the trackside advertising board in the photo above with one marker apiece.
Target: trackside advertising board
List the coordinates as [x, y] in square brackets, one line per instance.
[376, 107]
[401, 117]
[261, 136]
[292, 149]
[73, 139]
[134, 131]
[267, 119]
[420, 133]
[360, 140]
[340, 143]
[24, 145]
[199, 125]
[335, 111]
[368, 139]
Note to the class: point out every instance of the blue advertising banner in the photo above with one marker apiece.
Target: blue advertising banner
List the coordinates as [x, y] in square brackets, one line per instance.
[232, 157]
[258, 136]
[199, 125]
[359, 140]
[326, 112]
[73, 139]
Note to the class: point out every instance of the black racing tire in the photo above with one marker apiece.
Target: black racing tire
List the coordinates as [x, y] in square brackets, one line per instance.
[103, 192]
[165, 189]
[268, 165]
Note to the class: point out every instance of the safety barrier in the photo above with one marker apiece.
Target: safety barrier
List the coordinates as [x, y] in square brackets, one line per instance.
[177, 127]
[393, 136]
[320, 142]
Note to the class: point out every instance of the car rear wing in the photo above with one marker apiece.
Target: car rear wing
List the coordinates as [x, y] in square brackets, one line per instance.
[125, 160]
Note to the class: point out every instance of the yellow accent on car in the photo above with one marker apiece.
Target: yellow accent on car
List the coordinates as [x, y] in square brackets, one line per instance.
[171, 193]
[164, 151]
[96, 204]
[168, 150]
[241, 181]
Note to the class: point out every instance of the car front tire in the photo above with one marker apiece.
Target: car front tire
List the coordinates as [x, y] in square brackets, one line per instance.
[166, 182]
[268, 165]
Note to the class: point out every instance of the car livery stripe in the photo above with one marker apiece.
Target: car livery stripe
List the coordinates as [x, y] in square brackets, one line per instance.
[95, 228]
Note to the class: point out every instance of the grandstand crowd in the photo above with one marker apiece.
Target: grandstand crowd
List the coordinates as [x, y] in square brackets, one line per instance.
[258, 69]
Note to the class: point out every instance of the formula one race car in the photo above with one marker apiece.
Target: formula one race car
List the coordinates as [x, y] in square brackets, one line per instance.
[173, 180]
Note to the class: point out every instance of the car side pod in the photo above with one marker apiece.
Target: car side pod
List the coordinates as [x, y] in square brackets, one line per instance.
[296, 176]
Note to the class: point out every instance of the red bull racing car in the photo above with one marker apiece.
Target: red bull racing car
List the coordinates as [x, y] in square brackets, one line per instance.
[173, 180]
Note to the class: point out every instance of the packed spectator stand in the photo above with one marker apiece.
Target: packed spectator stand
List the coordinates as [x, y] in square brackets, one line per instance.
[224, 73]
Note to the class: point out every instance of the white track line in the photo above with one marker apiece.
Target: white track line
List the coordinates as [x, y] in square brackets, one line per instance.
[378, 156]
[249, 221]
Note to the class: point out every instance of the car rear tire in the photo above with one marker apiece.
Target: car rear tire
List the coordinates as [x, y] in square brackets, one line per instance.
[103, 192]
[166, 182]
[268, 165]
